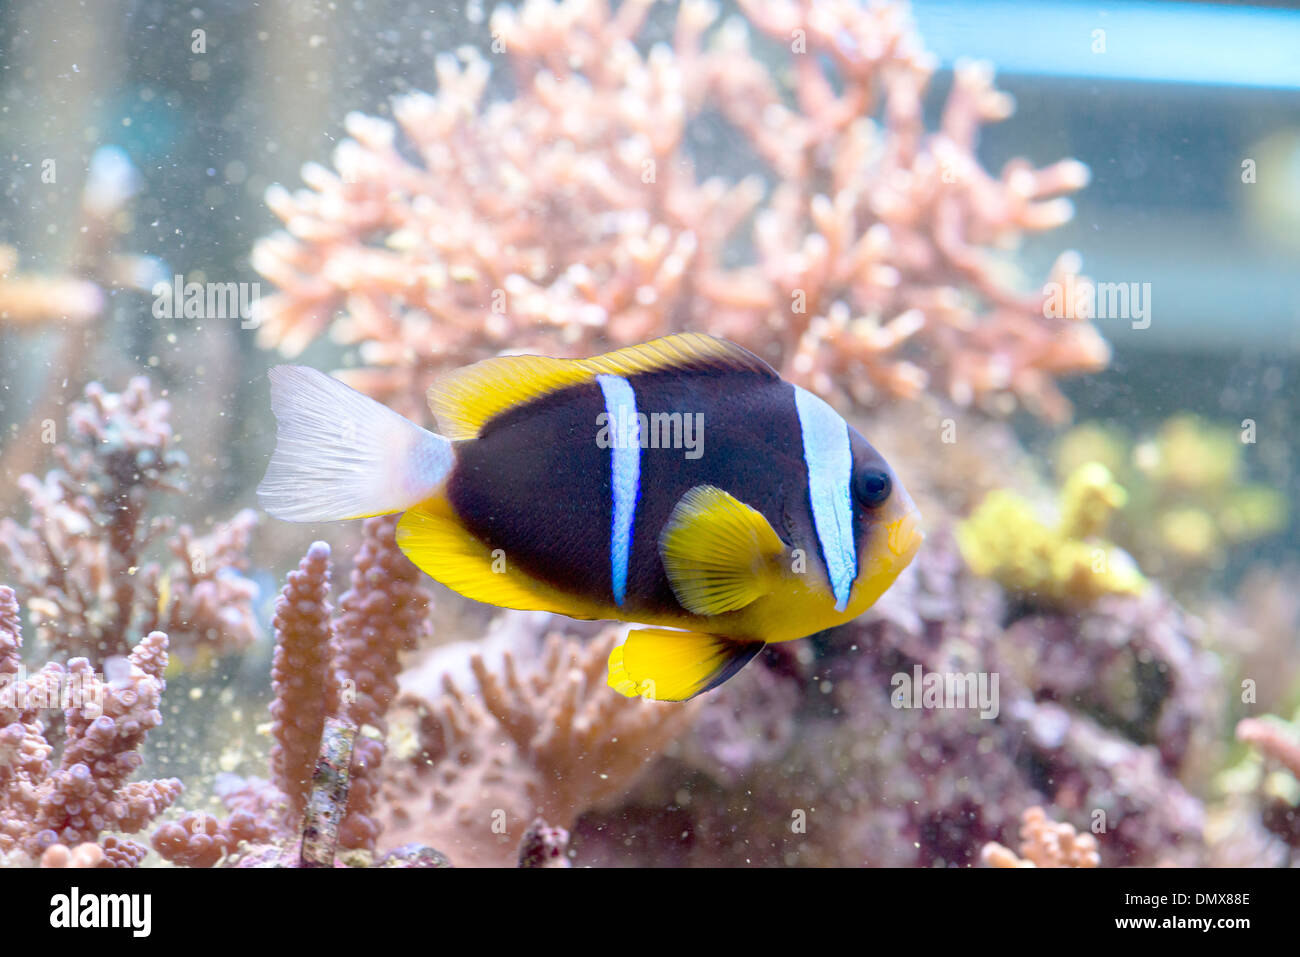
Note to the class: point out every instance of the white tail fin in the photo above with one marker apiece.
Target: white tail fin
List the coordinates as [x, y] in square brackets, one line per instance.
[340, 454]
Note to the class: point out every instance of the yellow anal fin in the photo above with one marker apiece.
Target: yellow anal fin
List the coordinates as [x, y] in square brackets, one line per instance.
[466, 400]
[667, 665]
[431, 536]
[719, 554]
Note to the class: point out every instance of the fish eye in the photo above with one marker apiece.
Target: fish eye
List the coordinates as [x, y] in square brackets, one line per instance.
[871, 487]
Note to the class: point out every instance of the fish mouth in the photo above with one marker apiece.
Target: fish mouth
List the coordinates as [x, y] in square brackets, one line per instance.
[905, 536]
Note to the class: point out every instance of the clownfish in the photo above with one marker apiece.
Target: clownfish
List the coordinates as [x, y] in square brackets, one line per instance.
[679, 484]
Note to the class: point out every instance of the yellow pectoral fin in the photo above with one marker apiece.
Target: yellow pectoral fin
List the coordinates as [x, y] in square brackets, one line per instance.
[433, 538]
[719, 554]
[667, 665]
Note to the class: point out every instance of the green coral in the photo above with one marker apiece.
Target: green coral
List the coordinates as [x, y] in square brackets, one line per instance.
[1190, 501]
[1067, 564]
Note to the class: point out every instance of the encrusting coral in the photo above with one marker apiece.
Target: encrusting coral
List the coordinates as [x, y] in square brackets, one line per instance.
[1191, 503]
[570, 218]
[82, 559]
[1044, 843]
[56, 811]
[1062, 564]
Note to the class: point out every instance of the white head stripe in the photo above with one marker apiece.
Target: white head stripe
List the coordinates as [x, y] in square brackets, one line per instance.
[830, 468]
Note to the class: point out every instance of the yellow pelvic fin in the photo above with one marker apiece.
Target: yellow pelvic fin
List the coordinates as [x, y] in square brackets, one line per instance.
[466, 400]
[719, 553]
[431, 536]
[667, 665]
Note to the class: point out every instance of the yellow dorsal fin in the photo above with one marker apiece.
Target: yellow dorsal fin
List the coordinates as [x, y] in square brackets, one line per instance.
[665, 665]
[467, 399]
[719, 553]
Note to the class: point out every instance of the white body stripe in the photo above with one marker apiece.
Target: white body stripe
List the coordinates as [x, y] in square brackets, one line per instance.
[624, 475]
[830, 469]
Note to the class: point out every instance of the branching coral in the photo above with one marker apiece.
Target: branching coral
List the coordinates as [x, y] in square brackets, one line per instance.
[1274, 740]
[27, 299]
[325, 665]
[301, 674]
[381, 615]
[1044, 843]
[548, 741]
[83, 555]
[46, 805]
[570, 217]
[1064, 564]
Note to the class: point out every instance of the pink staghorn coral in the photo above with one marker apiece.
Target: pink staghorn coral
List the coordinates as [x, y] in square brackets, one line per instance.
[548, 741]
[42, 805]
[381, 615]
[570, 218]
[82, 555]
[300, 673]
